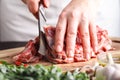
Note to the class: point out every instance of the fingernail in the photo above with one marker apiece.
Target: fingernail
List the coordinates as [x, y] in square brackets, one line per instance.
[59, 48]
[70, 53]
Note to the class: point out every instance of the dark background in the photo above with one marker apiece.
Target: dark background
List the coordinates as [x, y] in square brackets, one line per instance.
[8, 45]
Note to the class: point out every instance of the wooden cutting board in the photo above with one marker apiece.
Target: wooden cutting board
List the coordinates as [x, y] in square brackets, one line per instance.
[6, 55]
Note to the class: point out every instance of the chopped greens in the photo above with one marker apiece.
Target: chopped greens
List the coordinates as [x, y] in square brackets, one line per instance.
[38, 72]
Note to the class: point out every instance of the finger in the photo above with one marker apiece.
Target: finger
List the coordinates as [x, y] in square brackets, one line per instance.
[93, 36]
[25, 1]
[33, 6]
[36, 15]
[60, 33]
[71, 36]
[46, 3]
[85, 38]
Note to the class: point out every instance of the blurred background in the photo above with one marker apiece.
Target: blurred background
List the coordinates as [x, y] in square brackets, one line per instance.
[109, 16]
[18, 24]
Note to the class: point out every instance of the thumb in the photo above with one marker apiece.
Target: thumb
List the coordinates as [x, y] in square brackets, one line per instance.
[46, 3]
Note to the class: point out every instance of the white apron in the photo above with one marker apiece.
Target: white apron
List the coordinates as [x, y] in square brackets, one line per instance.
[18, 24]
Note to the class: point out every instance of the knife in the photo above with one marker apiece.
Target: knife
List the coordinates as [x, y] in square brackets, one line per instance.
[41, 23]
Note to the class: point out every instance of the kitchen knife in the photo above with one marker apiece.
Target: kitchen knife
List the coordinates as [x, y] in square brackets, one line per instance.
[41, 24]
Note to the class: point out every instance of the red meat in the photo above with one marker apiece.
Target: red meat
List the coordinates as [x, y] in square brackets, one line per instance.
[30, 53]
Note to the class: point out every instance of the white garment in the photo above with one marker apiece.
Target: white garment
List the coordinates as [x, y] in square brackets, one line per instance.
[18, 24]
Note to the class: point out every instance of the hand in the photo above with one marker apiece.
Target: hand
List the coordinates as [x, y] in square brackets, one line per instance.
[33, 5]
[77, 15]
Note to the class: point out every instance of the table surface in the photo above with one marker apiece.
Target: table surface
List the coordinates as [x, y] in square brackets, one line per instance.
[8, 49]
[14, 48]
[9, 45]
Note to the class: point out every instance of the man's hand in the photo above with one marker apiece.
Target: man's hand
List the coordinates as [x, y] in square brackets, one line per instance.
[33, 5]
[77, 15]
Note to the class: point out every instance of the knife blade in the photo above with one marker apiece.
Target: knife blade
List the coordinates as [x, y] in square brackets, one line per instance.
[41, 23]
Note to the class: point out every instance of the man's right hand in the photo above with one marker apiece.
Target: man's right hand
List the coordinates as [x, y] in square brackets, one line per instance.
[33, 5]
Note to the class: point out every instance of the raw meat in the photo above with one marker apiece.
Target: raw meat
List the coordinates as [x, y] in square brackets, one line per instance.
[30, 53]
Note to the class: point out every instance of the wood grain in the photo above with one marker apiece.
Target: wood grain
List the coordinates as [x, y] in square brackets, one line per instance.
[10, 52]
[6, 55]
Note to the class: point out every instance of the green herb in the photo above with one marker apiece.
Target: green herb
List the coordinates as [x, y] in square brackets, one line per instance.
[38, 72]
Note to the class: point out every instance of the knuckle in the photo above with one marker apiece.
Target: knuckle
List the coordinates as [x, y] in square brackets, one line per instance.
[74, 14]
[62, 15]
[93, 35]
[59, 29]
[71, 34]
[84, 17]
[57, 41]
[85, 35]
